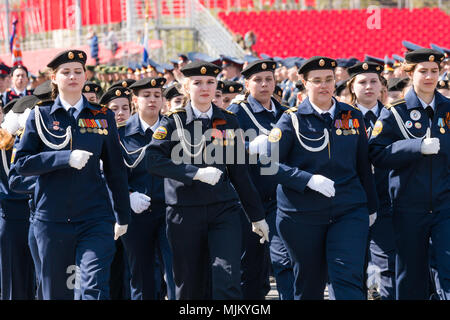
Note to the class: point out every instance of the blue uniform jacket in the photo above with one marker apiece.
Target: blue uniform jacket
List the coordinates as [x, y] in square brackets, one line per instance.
[266, 185]
[417, 182]
[381, 176]
[180, 188]
[345, 161]
[63, 193]
[133, 138]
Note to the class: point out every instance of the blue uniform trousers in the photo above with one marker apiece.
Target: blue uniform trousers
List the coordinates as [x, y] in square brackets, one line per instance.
[119, 281]
[382, 256]
[206, 242]
[140, 243]
[412, 236]
[166, 261]
[32, 244]
[89, 245]
[320, 246]
[281, 262]
[255, 263]
[16, 264]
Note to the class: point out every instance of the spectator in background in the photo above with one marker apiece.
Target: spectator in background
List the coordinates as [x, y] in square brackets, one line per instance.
[93, 45]
[111, 41]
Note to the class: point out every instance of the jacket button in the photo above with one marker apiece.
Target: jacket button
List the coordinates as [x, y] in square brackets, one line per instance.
[68, 220]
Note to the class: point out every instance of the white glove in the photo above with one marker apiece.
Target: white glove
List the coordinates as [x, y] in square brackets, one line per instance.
[258, 145]
[23, 117]
[119, 230]
[11, 122]
[79, 158]
[372, 218]
[139, 202]
[262, 229]
[322, 184]
[430, 146]
[208, 175]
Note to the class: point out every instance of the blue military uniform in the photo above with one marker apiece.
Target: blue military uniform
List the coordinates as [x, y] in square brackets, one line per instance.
[325, 236]
[74, 217]
[418, 187]
[141, 240]
[253, 276]
[202, 218]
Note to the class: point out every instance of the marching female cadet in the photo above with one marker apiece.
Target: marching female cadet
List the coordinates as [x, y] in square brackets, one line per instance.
[411, 138]
[91, 91]
[326, 188]
[259, 112]
[365, 87]
[203, 208]
[62, 144]
[146, 192]
[16, 264]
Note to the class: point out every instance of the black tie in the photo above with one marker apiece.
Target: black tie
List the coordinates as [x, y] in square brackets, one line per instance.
[430, 112]
[71, 112]
[371, 117]
[327, 118]
[205, 120]
[148, 133]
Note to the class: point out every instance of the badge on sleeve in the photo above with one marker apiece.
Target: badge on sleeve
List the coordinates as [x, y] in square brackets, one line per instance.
[274, 135]
[415, 115]
[377, 128]
[160, 133]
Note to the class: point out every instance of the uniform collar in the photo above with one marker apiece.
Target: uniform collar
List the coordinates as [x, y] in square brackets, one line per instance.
[136, 125]
[331, 111]
[145, 125]
[375, 109]
[307, 108]
[216, 113]
[80, 105]
[24, 92]
[432, 103]
[197, 112]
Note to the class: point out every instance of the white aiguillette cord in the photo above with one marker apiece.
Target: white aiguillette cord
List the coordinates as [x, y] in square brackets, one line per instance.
[183, 140]
[253, 119]
[325, 136]
[139, 158]
[68, 135]
[5, 162]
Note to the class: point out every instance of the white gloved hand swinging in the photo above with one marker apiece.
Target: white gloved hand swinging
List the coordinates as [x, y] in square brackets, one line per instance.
[208, 175]
[258, 145]
[139, 202]
[79, 158]
[262, 229]
[119, 230]
[322, 184]
[430, 146]
[11, 122]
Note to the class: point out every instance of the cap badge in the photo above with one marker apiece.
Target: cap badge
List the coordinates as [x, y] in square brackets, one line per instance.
[333, 64]
[87, 89]
[70, 55]
[203, 70]
[118, 93]
[365, 66]
[153, 82]
[264, 66]
[321, 62]
[231, 89]
[431, 58]
[124, 84]
[80, 55]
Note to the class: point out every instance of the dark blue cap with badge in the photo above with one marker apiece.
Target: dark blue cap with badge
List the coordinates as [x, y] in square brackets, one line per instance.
[229, 61]
[424, 55]
[364, 67]
[220, 85]
[68, 56]
[317, 63]
[368, 58]
[115, 93]
[123, 83]
[172, 92]
[148, 83]
[258, 66]
[278, 91]
[232, 87]
[90, 86]
[200, 68]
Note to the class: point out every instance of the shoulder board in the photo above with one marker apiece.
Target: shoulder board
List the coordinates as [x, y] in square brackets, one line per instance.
[97, 105]
[355, 107]
[121, 124]
[44, 102]
[238, 101]
[229, 112]
[168, 114]
[20, 132]
[284, 107]
[293, 109]
[394, 103]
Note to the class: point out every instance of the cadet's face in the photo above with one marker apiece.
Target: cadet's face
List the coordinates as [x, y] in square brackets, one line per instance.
[4, 83]
[121, 109]
[320, 86]
[227, 98]
[341, 73]
[425, 77]
[20, 79]
[90, 96]
[70, 77]
[367, 88]
[149, 102]
[218, 101]
[201, 89]
[176, 102]
[261, 85]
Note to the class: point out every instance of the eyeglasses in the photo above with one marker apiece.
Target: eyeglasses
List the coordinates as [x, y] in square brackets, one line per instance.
[318, 82]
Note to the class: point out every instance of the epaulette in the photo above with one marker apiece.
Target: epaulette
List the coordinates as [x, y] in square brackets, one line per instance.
[228, 111]
[168, 114]
[355, 107]
[293, 109]
[238, 101]
[394, 103]
[121, 124]
[284, 107]
[44, 102]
